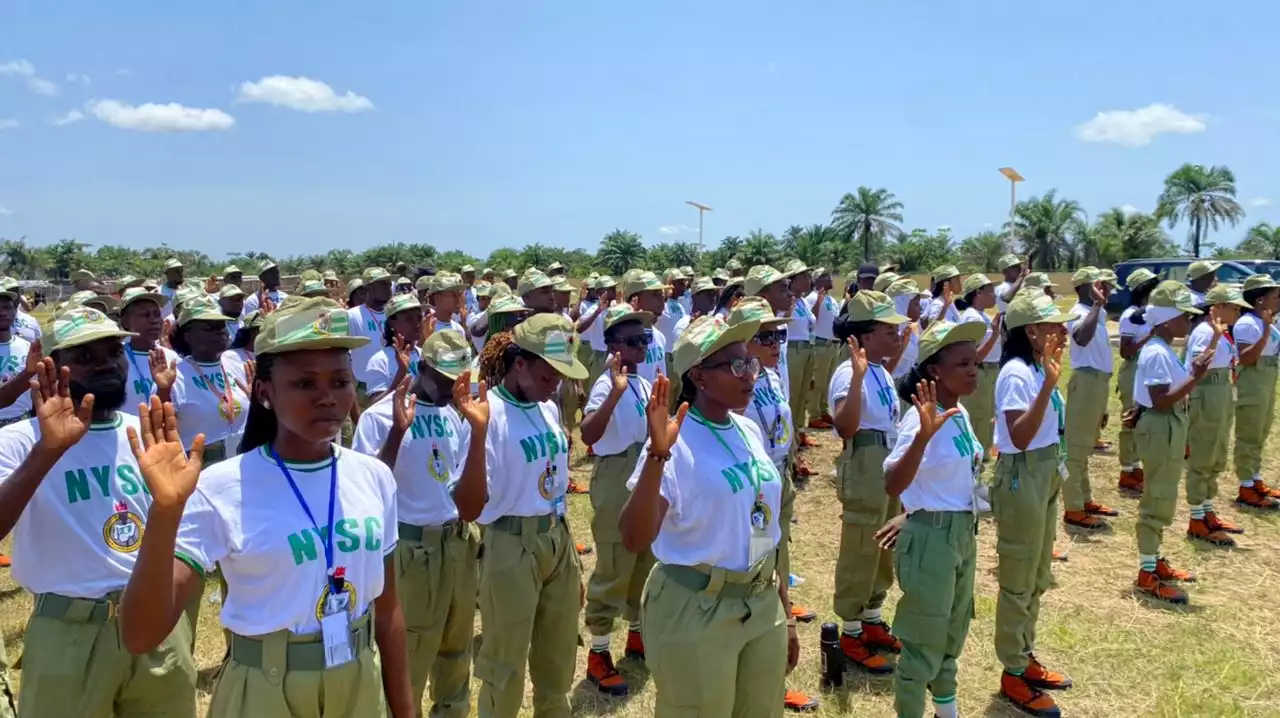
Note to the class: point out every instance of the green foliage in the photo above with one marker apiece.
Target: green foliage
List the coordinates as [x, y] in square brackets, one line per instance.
[621, 250]
[1042, 225]
[981, 252]
[1204, 197]
[866, 218]
[1261, 242]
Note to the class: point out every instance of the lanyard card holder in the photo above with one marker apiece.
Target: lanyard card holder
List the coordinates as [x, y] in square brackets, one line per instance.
[335, 626]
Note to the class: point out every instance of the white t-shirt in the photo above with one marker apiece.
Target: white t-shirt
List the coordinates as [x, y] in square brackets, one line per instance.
[771, 413]
[823, 321]
[245, 518]
[800, 328]
[934, 310]
[973, 315]
[251, 301]
[169, 293]
[1198, 341]
[909, 355]
[13, 361]
[1157, 364]
[655, 358]
[710, 486]
[479, 319]
[80, 534]
[948, 470]
[1001, 305]
[1197, 296]
[783, 367]
[197, 397]
[1136, 332]
[594, 336]
[451, 324]
[672, 312]
[879, 398]
[236, 359]
[1016, 390]
[140, 387]
[382, 369]
[432, 454]
[1248, 330]
[527, 457]
[26, 326]
[679, 328]
[469, 300]
[1097, 355]
[628, 424]
[364, 322]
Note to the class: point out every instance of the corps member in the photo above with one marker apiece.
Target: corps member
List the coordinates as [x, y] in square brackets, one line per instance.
[356, 293]
[368, 320]
[241, 351]
[945, 285]
[674, 310]
[1201, 277]
[303, 531]
[1088, 393]
[826, 348]
[1140, 282]
[530, 581]
[865, 413]
[470, 299]
[231, 301]
[210, 394]
[1024, 493]
[1160, 389]
[645, 292]
[431, 432]
[801, 362]
[614, 427]
[934, 469]
[906, 301]
[535, 290]
[152, 368]
[1013, 270]
[444, 293]
[400, 354]
[707, 499]
[979, 296]
[174, 275]
[24, 325]
[269, 278]
[1258, 340]
[17, 364]
[591, 324]
[77, 536]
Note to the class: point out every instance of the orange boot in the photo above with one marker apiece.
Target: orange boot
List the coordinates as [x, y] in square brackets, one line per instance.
[582, 549]
[1253, 498]
[1043, 678]
[575, 487]
[1218, 524]
[1166, 572]
[803, 614]
[1200, 530]
[798, 702]
[1132, 481]
[1149, 583]
[1093, 508]
[635, 645]
[1265, 490]
[604, 676]
[856, 652]
[876, 636]
[5, 561]
[1029, 699]
[1083, 520]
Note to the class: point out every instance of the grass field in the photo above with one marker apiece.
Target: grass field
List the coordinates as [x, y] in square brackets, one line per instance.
[1128, 656]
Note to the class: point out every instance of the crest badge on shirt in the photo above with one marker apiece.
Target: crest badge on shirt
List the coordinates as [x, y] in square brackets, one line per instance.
[123, 531]
[548, 483]
[332, 602]
[436, 466]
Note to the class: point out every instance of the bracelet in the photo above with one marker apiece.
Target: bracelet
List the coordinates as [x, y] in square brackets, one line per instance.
[658, 457]
[791, 623]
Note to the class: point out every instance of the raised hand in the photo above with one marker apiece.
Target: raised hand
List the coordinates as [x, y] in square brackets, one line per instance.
[948, 296]
[403, 353]
[474, 409]
[166, 333]
[926, 401]
[613, 365]
[62, 424]
[857, 358]
[429, 324]
[211, 285]
[266, 304]
[170, 472]
[403, 406]
[163, 372]
[1095, 291]
[1052, 359]
[34, 356]
[664, 428]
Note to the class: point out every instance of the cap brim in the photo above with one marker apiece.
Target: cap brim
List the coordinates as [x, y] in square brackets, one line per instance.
[740, 332]
[775, 322]
[645, 318]
[510, 310]
[1059, 318]
[572, 369]
[334, 342]
[92, 337]
[794, 272]
[968, 332]
[153, 296]
[894, 318]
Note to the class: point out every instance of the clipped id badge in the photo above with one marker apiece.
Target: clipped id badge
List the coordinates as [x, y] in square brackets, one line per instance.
[761, 542]
[335, 625]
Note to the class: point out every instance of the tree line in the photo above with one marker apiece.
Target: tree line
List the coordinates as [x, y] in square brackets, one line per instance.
[864, 225]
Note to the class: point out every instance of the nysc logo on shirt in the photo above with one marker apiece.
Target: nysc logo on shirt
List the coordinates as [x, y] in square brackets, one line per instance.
[10, 366]
[123, 531]
[430, 426]
[739, 475]
[351, 535]
[126, 479]
[543, 446]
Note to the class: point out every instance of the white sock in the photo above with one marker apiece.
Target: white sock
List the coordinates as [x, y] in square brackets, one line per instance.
[945, 707]
[1148, 563]
[852, 628]
[1207, 506]
[871, 615]
[1197, 512]
[1246, 484]
[634, 626]
[600, 644]
[1127, 468]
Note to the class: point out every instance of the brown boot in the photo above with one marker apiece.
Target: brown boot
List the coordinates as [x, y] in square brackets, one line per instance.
[1093, 508]
[798, 702]
[1265, 490]
[1253, 498]
[1166, 572]
[1200, 530]
[1150, 584]
[635, 645]
[876, 636]
[604, 676]
[1082, 520]
[857, 653]
[1217, 524]
[1131, 481]
[1043, 678]
[1028, 698]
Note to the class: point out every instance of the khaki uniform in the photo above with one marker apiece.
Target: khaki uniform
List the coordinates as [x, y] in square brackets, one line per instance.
[1208, 434]
[75, 665]
[1255, 411]
[1024, 500]
[1124, 387]
[801, 363]
[981, 404]
[437, 573]
[1162, 441]
[282, 675]
[7, 708]
[826, 354]
[617, 583]
[864, 571]
[1088, 392]
[529, 601]
[935, 559]
[786, 512]
[706, 629]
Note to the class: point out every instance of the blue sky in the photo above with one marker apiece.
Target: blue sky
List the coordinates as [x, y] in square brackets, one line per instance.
[301, 127]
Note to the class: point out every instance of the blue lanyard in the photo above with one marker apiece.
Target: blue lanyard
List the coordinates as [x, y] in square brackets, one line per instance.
[644, 400]
[336, 580]
[777, 413]
[133, 359]
[883, 390]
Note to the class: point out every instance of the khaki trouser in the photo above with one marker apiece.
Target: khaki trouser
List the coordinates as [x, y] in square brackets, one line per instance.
[437, 573]
[617, 583]
[785, 512]
[1124, 387]
[596, 366]
[1162, 444]
[569, 404]
[1255, 410]
[825, 352]
[1088, 391]
[1024, 500]
[530, 583]
[1208, 434]
[935, 558]
[715, 641]
[982, 405]
[75, 665]
[282, 675]
[801, 362]
[7, 708]
[864, 572]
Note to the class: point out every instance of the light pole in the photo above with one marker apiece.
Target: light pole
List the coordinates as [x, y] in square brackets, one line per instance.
[1014, 179]
[702, 208]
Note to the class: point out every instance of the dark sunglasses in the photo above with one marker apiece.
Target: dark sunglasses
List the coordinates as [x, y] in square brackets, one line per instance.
[769, 337]
[637, 341]
[740, 367]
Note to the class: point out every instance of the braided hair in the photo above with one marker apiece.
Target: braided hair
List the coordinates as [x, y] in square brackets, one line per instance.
[499, 355]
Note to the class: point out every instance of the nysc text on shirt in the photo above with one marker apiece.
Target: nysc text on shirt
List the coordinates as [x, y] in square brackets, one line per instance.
[526, 455]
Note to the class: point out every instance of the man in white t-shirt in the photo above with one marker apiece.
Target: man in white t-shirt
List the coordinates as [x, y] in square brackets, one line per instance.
[173, 278]
[1201, 276]
[645, 292]
[444, 293]
[1014, 271]
[673, 310]
[802, 361]
[826, 348]
[368, 320]
[16, 368]
[75, 501]
[591, 323]
[1088, 393]
[1140, 282]
[269, 277]
[469, 297]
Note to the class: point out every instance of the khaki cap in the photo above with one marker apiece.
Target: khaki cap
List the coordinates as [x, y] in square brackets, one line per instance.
[402, 302]
[756, 309]
[172, 263]
[375, 274]
[1259, 281]
[1033, 308]
[974, 282]
[552, 337]
[532, 280]
[1223, 293]
[230, 290]
[873, 306]
[1037, 280]
[943, 273]
[506, 303]
[705, 336]
[641, 282]
[760, 277]
[446, 282]
[884, 280]
[703, 284]
[1008, 260]
[448, 352]
[129, 281]
[794, 267]
[942, 333]
[733, 264]
[300, 324]
[623, 312]
[266, 266]
[1202, 267]
[80, 325]
[231, 269]
[312, 288]
[1139, 277]
[1172, 294]
[1086, 275]
[201, 308]
[80, 274]
[134, 294]
[902, 288]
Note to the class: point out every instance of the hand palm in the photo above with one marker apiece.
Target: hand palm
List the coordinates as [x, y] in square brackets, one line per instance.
[169, 473]
[60, 422]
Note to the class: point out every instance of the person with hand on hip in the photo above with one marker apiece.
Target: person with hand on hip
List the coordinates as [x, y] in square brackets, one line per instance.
[1140, 283]
[1258, 341]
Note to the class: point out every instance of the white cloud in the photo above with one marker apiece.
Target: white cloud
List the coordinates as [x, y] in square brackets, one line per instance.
[302, 94]
[4, 211]
[1259, 202]
[1136, 128]
[7, 124]
[1128, 210]
[151, 117]
[20, 68]
[78, 78]
[675, 229]
[67, 119]
[41, 86]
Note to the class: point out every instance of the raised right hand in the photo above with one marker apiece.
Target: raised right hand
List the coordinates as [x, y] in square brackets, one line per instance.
[403, 406]
[170, 472]
[61, 423]
[926, 401]
[664, 428]
[613, 365]
[857, 358]
[1052, 359]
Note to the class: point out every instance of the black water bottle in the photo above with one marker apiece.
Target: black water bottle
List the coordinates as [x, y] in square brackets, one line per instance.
[832, 658]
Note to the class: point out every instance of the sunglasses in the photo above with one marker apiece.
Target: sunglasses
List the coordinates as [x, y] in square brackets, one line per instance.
[740, 367]
[637, 341]
[770, 337]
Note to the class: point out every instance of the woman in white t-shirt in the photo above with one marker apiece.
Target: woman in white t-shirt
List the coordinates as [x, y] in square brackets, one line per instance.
[210, 394]
[707, 500]
[979, 298]
[1025, 489]
[1160, 389]
[399, 356]
[1140, 282]
[906, 301]
[152, 368]
[945, 287]
[303, 531]
[934, 469]
[241, 351]
[1258, 341]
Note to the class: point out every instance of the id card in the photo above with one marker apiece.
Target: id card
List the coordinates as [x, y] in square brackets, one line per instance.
[761, 543]
[336, 629]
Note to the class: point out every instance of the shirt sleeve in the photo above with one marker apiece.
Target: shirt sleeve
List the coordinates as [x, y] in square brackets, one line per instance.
[669, 489]
[599, 391]
[377, 375]
[970, 316]
[934, 309]
[16, 441]
[1127, 327]
[1246, 331]
[371, 433]
[201, 536]
[839, 387]
[907, 431]
[1156, 368]
[1015, 390]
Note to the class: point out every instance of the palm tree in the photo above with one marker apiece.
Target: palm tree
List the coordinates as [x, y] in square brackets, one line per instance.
[1132, 236]
[816, 245]
[982, 252]
[1042, 224]
[17, 256]
[868, 216]
[1262, 241]
[621, 250]
[761, 247]
[1205, 197]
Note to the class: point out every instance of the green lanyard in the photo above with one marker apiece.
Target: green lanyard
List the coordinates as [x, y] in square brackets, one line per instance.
[754, 475]
[546, 427]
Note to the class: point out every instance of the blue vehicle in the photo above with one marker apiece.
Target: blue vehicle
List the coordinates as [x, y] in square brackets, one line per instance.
[1262, 266]
[1231, 271]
